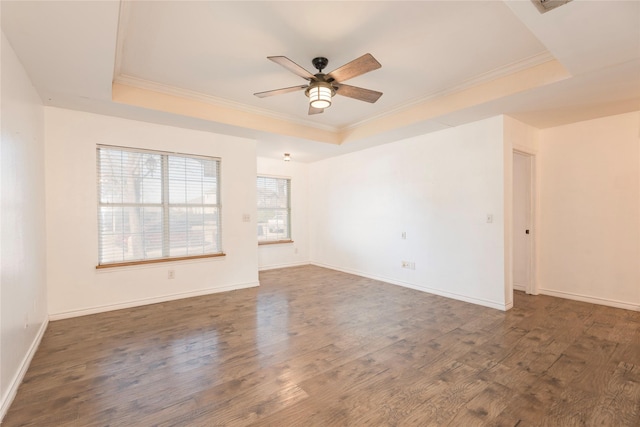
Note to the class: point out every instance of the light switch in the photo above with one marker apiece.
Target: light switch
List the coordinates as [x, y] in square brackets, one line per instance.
[489, 218]
[246, 218]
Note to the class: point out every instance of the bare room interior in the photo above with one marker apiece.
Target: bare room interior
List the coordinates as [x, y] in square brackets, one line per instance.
[307, 213]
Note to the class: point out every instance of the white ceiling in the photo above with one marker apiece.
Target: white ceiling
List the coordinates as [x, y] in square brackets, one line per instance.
[444, 63]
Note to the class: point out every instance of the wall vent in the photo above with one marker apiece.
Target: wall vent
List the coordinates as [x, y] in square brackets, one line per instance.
[547, 5]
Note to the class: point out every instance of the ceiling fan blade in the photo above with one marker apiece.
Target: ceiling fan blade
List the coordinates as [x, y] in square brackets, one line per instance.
[292, 66]
[313, 110]
[280, 91]
[359, 93]
[358, 66]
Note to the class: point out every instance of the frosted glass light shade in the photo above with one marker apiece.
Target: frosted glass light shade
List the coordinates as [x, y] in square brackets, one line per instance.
[320, 96]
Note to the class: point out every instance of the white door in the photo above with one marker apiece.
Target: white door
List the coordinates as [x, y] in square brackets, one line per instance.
[522, 221]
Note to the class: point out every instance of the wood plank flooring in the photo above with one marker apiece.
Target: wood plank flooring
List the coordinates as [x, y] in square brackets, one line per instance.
[316, 347]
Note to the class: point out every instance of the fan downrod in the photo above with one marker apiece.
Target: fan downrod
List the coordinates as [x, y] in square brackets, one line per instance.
[319, 63]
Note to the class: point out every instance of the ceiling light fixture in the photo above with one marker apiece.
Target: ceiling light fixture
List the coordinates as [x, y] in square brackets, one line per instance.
[320, 94]
[287, 157]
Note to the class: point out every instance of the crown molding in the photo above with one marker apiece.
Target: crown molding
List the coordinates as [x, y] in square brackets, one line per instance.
[216, 101]
[512, 68]
[430, 109]
[340, 133]
[123, 20]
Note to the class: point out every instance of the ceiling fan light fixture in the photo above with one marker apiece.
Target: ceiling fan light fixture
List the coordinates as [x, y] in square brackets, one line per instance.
[320, 95]
[322, 87]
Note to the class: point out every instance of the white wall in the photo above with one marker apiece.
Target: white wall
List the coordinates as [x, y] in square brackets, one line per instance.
[75, 286]
[23, 305]
[438, 188]
[296, 253]
[590, 211]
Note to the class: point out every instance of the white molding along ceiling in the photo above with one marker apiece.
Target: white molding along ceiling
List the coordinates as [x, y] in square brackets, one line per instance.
[198, 64]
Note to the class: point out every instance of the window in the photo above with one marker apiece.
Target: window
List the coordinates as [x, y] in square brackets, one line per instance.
[155, 206]
[274, 209]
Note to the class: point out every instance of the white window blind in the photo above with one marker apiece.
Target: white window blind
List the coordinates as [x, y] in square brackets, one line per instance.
[274, 209]
[154, 205]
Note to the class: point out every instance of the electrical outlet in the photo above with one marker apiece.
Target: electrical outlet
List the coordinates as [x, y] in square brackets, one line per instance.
[404, 235]
[171, 274]
[408, 265]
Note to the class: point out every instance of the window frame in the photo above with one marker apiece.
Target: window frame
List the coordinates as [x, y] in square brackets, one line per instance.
[165, 205]
[288, 238]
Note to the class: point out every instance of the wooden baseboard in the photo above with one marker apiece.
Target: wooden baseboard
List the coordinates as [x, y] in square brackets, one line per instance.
[276, 266]
[590, 299]
[147, 301]
[8, 397]
[472, 300]
[519, 287]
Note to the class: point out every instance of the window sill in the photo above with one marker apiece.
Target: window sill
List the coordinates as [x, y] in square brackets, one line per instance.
[274, 242]
[155, 261]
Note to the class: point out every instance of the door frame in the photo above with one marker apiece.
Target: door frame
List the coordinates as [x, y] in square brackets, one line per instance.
[532, 285]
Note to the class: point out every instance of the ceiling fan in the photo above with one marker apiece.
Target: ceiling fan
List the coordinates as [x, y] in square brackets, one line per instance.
[322, 87]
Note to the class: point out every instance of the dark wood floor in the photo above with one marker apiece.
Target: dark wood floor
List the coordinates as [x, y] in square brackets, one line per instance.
[315, 347]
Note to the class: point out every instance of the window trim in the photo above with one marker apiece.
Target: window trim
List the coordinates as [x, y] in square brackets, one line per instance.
[162, 205]
[158, 260]
[289, 210]
[274, 242]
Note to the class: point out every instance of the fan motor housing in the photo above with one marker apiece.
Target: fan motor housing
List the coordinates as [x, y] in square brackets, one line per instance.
[320, 63]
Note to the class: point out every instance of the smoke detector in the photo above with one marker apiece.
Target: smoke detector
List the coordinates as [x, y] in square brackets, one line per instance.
[546, 5]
